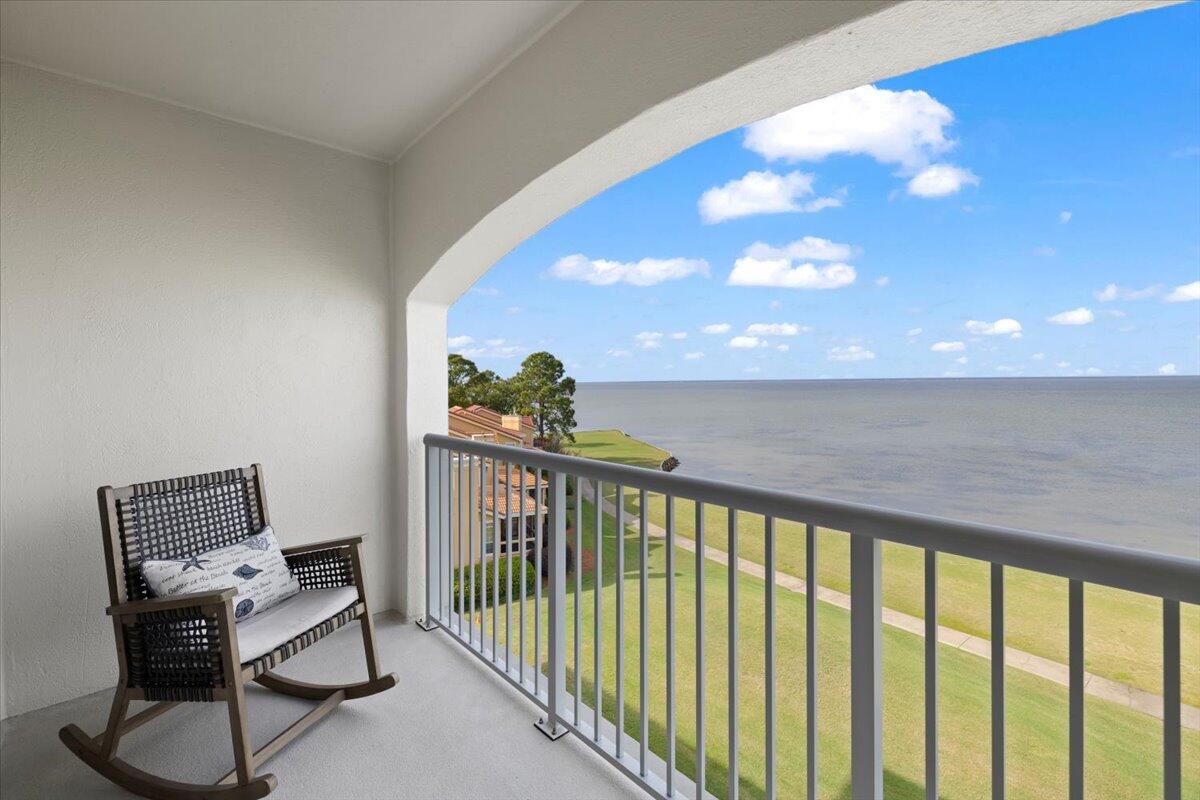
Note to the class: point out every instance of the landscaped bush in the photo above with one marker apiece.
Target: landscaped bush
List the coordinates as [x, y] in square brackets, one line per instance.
[483, 582]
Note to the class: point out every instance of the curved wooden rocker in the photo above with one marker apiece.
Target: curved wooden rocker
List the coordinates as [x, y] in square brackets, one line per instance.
[185, 648]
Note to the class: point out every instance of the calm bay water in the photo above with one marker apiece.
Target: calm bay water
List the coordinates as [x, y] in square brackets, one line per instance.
[1108, 459]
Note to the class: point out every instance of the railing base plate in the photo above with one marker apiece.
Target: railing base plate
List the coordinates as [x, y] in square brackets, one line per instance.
[551, 734]
[426, 624]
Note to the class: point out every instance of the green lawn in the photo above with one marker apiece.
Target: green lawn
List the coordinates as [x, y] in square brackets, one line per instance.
[612, 445]
[1123, 632]
[1123, 747]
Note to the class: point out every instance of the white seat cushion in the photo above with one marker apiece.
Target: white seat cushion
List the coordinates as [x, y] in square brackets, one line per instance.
[280, 623]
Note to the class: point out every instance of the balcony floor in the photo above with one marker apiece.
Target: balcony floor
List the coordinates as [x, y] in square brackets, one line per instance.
[450, 729]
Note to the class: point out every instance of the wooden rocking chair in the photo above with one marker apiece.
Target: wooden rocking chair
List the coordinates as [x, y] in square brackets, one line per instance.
[185, 648]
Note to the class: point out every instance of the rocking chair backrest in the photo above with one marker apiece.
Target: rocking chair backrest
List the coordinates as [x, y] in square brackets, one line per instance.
[176, 518]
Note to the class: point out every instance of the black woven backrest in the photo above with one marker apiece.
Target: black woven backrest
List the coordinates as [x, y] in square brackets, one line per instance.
[176, 518]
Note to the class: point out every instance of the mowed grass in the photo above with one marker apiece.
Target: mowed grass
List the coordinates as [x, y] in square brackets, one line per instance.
[1122, 630]
[1123, 748]
[613, 445]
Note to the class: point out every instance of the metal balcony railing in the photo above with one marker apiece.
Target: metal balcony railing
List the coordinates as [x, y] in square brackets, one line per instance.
[463, 530]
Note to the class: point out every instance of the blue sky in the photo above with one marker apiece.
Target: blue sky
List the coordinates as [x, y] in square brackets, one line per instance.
[1029, 211]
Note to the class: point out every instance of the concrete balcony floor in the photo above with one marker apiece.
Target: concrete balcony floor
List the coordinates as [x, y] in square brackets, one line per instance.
[450, 729]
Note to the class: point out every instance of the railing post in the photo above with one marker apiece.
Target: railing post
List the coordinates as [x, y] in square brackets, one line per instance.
[556, 680]
[866, 685]
[432, 536]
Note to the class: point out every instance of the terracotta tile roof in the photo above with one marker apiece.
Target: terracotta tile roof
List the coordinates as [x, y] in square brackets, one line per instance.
[466, 427]
[513, 478]
[509, 500]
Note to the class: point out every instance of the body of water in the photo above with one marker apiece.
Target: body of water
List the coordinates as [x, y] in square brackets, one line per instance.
[1109, 459]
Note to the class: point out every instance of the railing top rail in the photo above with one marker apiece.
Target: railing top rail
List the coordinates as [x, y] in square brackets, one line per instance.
[1172, 577]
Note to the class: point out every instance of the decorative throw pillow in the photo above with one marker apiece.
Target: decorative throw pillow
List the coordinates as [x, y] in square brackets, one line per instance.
[253, 566]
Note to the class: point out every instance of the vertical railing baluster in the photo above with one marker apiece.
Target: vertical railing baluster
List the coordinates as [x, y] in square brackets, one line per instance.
[578, 667]
[597, 583]
[432, 523]
[700, 759]
[643, 688]
[866, 685]
[495, 559]
[732, 636]
[1172, 754]
[447, 507]
[620, 639]
[998, 682]
[508, 586]
[481, 602]
[537, 577]
[459, 537]
[470, 550]
[931, 676]
[810, 654]
[521, 591]
[1075, 683]
[769, 652]
[669, 502]
[556, 673]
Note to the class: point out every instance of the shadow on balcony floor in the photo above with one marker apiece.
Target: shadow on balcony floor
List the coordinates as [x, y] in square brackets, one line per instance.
[450, 729]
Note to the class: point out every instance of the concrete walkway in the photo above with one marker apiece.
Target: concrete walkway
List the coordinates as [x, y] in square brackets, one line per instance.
[1120, 693]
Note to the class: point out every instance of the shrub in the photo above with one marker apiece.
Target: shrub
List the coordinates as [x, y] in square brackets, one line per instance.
[546, 557]
[483, 582]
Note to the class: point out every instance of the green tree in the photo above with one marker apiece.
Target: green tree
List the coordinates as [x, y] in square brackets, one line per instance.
[468, 386]
[462, 372]
[542, 390]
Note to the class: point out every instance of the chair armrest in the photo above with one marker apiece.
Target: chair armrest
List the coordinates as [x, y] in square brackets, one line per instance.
[330, 544]
[153, 604]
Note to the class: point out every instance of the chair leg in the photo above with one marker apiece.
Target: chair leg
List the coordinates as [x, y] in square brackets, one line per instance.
[372, 651]
[243, 752]
[116, 720]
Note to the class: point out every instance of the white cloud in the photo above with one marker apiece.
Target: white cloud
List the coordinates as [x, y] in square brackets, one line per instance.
[1064, 217]
[807, 248]
[693, 356]
[1005, 368]
[783, 348]
[784, 273]
[1167, 369]
[915, 332]
[618, 353]
[511, 310]
[677, 335]
[1063, 364]
[941, 180]
[762, 193]
[906, 128]
[1038, 357]
[648, 340]
[745, 342]
[647, 272]
[752, 370]
[948, 347]
[496, 348]
[1076, 316]
[776, 329]
[459, 341]
[716, 327]
[1114, 292]
[851, 352]
[882, 280]
[1090, 371]
[776, 305]
[961, 360]
[1001, 327]
[1185, 293]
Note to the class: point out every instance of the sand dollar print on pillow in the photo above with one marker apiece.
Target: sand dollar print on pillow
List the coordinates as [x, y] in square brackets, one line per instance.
[253, 566]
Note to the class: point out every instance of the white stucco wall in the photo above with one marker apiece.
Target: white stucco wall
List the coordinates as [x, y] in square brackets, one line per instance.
[611, 90]
[179, 294]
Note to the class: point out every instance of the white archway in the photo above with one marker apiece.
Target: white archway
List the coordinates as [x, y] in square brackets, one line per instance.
[609, 91]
